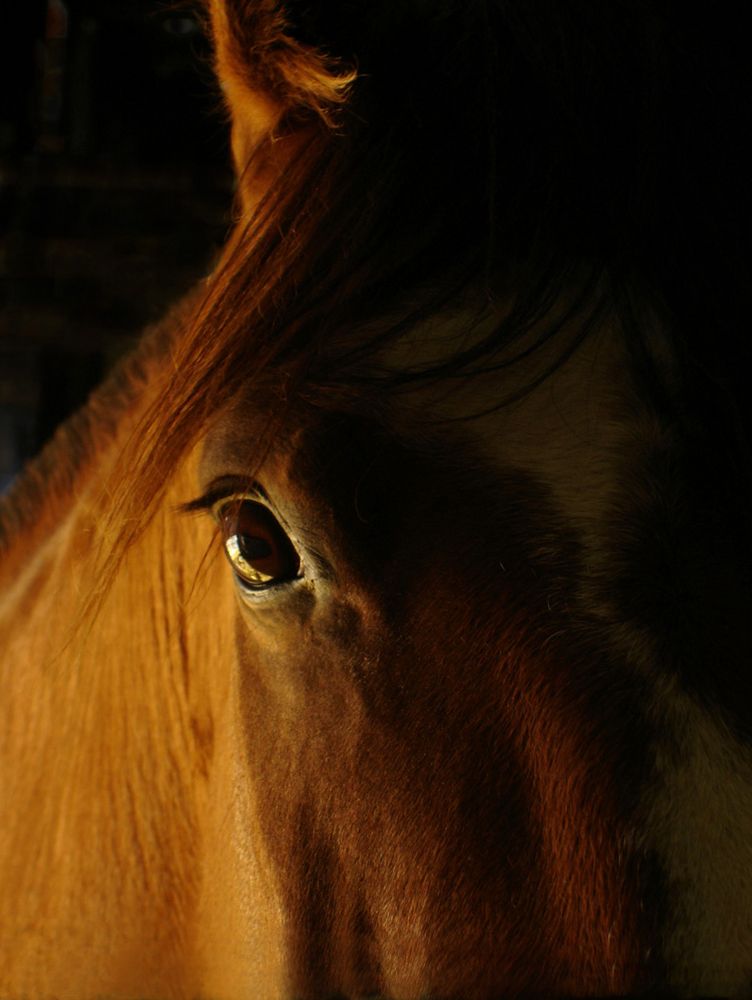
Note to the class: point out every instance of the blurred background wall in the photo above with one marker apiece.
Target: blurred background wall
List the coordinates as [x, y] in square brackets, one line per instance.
[115, 192]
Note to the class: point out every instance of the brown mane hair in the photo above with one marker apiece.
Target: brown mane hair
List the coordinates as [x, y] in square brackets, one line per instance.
[531, 150]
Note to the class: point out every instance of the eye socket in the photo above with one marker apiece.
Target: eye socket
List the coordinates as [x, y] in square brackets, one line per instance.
[259, 551]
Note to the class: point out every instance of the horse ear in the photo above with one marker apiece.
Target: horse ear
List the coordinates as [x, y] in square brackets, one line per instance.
[268, 71]
[275, 82]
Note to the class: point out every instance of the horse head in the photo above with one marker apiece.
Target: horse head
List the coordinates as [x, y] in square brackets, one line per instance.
[409, 656]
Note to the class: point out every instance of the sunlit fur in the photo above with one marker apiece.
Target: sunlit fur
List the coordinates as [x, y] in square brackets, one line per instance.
[496, 742]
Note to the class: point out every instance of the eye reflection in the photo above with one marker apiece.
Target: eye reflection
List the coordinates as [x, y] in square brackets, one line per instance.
[255, 544]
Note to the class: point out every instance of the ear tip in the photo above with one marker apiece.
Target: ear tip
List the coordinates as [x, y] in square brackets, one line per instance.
[263, 46]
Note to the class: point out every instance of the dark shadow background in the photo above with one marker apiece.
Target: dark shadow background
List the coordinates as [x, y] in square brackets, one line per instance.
[115, 191]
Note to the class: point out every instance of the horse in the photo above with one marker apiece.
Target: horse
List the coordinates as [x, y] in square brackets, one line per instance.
[379, 626]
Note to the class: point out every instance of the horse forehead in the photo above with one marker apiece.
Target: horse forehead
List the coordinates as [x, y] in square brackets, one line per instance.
[571, 433]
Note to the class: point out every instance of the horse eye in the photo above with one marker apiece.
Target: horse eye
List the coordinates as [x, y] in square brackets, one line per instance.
[257, 547]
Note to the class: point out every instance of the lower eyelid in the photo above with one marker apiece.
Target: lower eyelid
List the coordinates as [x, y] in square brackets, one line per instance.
[261, 595]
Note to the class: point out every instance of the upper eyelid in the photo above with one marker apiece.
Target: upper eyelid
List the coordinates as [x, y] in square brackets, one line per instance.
[226, 488]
